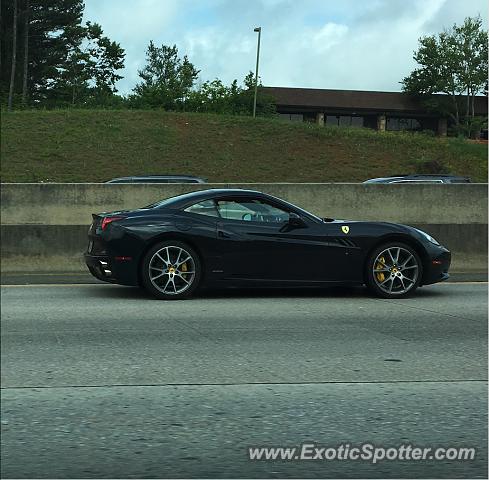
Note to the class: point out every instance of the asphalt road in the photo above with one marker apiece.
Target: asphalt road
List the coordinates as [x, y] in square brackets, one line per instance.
[101, 381]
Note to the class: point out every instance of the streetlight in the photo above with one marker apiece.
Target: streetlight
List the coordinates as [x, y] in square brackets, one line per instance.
[258, 30]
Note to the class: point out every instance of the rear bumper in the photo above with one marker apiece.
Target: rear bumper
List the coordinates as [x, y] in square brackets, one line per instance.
[107, 269]
[99, 267]
[437, 269]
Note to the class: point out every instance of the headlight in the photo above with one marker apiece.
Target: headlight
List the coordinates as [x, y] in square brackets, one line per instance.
[428, 237]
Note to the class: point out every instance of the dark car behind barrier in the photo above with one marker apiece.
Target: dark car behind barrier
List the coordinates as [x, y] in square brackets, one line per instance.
[420, 178]
[159, 179]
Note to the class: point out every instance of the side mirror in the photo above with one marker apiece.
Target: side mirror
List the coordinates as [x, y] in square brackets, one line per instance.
[296, 221]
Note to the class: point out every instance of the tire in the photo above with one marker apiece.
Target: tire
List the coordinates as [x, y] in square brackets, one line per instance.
[393, 270]
[171, 270]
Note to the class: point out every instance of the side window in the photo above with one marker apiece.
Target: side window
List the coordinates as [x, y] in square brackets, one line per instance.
[207, 207]
[418, 181]
[251, 210]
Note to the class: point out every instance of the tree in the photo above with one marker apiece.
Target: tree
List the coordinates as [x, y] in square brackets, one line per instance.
[45, 29]
[216, 97]
[167, 79]
[26, 53]
[14, 57]
[63, 62]
[265, 104]
[454, 63]
[53, 31]
[472, 39]
[106, 58]
[71, 84]
[89, 74]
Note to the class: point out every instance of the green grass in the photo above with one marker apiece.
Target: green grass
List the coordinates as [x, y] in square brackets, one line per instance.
[97, 145]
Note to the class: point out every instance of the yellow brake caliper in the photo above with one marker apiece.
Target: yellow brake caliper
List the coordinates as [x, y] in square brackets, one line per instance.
[380, 264]
[184, 267]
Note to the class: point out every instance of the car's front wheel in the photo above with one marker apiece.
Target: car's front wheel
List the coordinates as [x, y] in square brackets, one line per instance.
[394, 270]
[171, 270]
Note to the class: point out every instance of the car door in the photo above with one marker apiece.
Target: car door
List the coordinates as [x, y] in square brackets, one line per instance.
[329, 252]
[258, 242]
[249, 239]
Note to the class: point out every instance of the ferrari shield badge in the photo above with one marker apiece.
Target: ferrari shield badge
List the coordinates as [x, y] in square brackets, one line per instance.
[345, 228]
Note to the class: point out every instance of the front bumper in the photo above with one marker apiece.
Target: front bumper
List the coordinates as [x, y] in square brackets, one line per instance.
[438, 265]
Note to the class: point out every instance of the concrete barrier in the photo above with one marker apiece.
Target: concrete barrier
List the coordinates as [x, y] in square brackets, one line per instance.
[44, 226]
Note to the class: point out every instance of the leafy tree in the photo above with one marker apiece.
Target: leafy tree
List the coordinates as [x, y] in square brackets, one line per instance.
[167, 79]
[249, 81]
[472, 41]
[212, 96]
[57, 60]
[53, 29]
[71, 84]
[14, 56]
[26, 52]
[453, 63]
[90, 71]
[106, 58]
[265, 104]
[216, 97]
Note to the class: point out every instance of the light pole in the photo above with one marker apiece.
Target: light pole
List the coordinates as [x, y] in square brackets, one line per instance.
[257, 29]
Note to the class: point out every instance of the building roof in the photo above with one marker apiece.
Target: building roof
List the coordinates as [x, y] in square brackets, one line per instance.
[353, 100]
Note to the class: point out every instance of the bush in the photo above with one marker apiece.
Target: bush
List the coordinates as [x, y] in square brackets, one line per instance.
[469, 128]
[433, 166]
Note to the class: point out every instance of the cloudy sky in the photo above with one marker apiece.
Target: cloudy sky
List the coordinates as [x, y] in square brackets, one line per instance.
[344, 44]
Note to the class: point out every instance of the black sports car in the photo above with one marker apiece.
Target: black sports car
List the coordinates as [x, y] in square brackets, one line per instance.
[242, 237]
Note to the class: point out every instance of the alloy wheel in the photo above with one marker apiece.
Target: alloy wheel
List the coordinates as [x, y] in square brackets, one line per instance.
[395, 270]
[172, 270]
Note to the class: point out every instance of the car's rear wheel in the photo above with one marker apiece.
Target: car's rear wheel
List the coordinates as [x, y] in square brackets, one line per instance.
[171, 270]
[394, 270]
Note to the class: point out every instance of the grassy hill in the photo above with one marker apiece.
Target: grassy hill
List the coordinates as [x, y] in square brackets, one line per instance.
[97, 145]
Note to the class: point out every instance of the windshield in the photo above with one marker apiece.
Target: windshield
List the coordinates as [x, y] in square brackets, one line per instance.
[301, 210]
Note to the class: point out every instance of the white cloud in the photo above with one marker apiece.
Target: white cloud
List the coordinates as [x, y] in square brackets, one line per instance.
[350, 44]
[328, 36]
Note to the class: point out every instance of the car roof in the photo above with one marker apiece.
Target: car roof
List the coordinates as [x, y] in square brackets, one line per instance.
[184, 199]
[418, 176]
[155, 177]
[160, 176]
[217, 192]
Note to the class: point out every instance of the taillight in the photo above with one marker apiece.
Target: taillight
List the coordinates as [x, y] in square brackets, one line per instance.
[107, 220]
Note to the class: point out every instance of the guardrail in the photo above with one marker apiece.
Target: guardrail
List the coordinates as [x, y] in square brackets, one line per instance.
[44, 226]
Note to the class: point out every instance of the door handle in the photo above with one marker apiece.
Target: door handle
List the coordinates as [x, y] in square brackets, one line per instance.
[222, 234]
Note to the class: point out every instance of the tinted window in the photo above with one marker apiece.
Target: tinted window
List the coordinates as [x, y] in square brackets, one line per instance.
[294, 117]
[123, 180]
[357, 121]
[394, 123]
[251, 210]
[207, 207]
[344, 120]
[167, 202]
[418, 181]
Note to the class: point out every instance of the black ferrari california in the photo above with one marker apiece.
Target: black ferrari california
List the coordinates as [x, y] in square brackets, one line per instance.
[213, 238]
